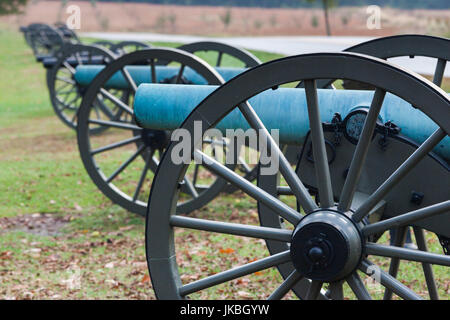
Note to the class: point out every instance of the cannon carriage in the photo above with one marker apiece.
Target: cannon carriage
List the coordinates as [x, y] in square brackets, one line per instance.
[390, 136]
[147, 66]
[393, 138]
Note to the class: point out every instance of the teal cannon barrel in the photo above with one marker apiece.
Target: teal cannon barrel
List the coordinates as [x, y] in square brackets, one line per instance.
[85, 74]
[166, 106]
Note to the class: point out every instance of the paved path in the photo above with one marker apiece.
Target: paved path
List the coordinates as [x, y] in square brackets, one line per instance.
[288, 45]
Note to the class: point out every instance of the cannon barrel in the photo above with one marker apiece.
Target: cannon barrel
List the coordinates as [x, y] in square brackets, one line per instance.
[42, 58]
[165, 107]
[50, 61]
[84, 75]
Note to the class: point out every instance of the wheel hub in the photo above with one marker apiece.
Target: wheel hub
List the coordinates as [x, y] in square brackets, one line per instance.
[155, 139]
[326, 246]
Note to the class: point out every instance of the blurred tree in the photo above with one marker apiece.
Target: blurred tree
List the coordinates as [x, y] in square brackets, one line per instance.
[11, 6]
[226, 18]
[326, 5]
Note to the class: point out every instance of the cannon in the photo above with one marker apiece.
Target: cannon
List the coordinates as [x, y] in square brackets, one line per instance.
[380, 171]
[68, 34]
[126, 184]
[165, 106]
[47, 42]
[86, 75]
[73, 55]
[43, 39]
[65, 94]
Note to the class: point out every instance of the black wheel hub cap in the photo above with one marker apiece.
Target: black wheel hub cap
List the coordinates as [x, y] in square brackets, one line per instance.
[155, 139]
[326, 246]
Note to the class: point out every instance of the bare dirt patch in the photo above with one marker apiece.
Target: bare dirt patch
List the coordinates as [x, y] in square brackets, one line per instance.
[203, 20]
[42, 135]
[44, 224]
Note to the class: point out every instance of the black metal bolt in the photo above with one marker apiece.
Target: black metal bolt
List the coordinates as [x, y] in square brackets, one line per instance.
[315, 254]
[417, 197]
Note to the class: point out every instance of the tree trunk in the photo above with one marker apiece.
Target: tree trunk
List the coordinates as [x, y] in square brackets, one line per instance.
[325, 11]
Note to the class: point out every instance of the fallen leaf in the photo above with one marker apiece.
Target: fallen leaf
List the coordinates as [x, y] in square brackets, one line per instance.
[227, 250]
[244, 294]
[28, 295]
[112, 282]
[5, 255]
[146, 278]
[126, 228]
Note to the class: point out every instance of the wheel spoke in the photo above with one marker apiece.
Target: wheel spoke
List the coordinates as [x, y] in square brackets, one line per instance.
[116, 101]
[194, 178]
[77, 57]
[97, 112]
[257, 193]
[314, 290]
[399, 241]
[232, 228]
[336, 290]
[219, 59]
[190, 187]
[153, 70]
[285, 191]
[398, 174]
[115, 124]
[407, 254]
[291, 178]
[406, 218]
[318, 144]
[389, 282]
[116, 145]
[74, 117]
[129, 79]
[100, 104]
[74, 99]
[62, 86]
[143, 175]
[244, 165]
[427, 268]
[64, 93]
[66, 98]
[66, 80]
[218, 278]
[439, 72]
[125, 164]
[69, 67]
[361, 151]
[286, 286]
[180, 74]
[358, 287]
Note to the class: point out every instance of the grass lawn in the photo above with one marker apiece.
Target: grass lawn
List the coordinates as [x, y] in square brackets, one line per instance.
[60, 238]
